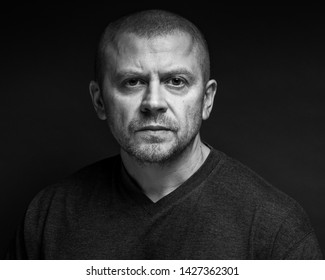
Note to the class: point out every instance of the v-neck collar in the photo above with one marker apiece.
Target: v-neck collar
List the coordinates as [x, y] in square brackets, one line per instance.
[133, 191]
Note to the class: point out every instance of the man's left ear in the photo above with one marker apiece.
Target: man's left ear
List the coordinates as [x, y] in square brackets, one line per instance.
[210, 91]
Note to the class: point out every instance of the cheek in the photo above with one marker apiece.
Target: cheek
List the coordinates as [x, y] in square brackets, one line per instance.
[194, 114]
[120, 111]
[193, 106]
[191, 115]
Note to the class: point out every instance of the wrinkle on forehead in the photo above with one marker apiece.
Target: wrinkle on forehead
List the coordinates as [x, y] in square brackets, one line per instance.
[162, 44]
[157, 43]
[129, 45]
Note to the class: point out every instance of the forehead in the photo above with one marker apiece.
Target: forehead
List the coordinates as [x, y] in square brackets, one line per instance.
[158, 51]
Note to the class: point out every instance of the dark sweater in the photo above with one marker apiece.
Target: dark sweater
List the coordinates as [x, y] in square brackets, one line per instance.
[223, 211]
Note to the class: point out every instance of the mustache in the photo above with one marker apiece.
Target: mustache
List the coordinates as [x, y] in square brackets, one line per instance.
[162, 120]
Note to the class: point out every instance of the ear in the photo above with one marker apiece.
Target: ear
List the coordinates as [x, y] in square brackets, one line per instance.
[97, 99]
[210, 91]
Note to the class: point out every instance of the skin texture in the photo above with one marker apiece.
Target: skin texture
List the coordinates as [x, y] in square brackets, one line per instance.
[154, 99]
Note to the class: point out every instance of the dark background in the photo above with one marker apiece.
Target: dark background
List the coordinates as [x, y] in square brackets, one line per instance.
[269, 111]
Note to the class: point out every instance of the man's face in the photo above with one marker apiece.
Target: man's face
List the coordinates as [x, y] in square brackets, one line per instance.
[153, 94]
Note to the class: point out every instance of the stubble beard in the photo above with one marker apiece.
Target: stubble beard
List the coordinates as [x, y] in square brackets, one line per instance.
[157, 152]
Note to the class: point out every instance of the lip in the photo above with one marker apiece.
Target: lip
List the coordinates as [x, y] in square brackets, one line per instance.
[153, 127]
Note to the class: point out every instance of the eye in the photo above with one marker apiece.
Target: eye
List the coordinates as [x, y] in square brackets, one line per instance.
[133, 82]
[176, 82]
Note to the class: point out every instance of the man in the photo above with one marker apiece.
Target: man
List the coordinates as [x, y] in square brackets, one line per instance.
[168, 195]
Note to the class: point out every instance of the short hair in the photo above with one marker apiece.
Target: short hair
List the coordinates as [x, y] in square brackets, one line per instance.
[149, 24]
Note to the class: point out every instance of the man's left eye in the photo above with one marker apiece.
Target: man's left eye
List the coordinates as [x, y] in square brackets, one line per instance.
[176, 82]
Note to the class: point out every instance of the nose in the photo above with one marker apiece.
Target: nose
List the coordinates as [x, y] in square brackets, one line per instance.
[153, 101]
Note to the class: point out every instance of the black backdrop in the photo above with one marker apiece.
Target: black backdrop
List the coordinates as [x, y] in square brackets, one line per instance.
[269, 110]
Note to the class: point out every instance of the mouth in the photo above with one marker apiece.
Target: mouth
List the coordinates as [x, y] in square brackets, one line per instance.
[154, 128]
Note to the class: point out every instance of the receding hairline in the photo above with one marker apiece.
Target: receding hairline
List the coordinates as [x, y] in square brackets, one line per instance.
[115, 46]
[117, 40]
[149, 24]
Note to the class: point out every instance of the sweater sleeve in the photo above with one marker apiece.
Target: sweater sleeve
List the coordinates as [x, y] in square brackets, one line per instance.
[296, 238]
[306, 249]
[27, 241]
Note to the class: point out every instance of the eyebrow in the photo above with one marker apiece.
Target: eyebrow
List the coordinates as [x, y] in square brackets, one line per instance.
[180, 71]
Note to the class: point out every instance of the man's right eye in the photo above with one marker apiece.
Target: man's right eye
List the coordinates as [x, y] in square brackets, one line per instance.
[133, 82]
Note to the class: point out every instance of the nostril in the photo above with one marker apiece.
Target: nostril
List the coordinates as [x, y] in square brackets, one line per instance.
[153, 109]
[158, 104]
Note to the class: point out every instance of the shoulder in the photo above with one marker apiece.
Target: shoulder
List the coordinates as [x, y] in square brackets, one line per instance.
[246, 186]
[79, 186]
[278, 223]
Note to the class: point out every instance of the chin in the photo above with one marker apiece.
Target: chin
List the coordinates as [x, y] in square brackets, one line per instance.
[159, 152]
[154, 153]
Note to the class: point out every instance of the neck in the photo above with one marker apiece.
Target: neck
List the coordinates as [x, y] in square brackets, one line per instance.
[171, 175]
